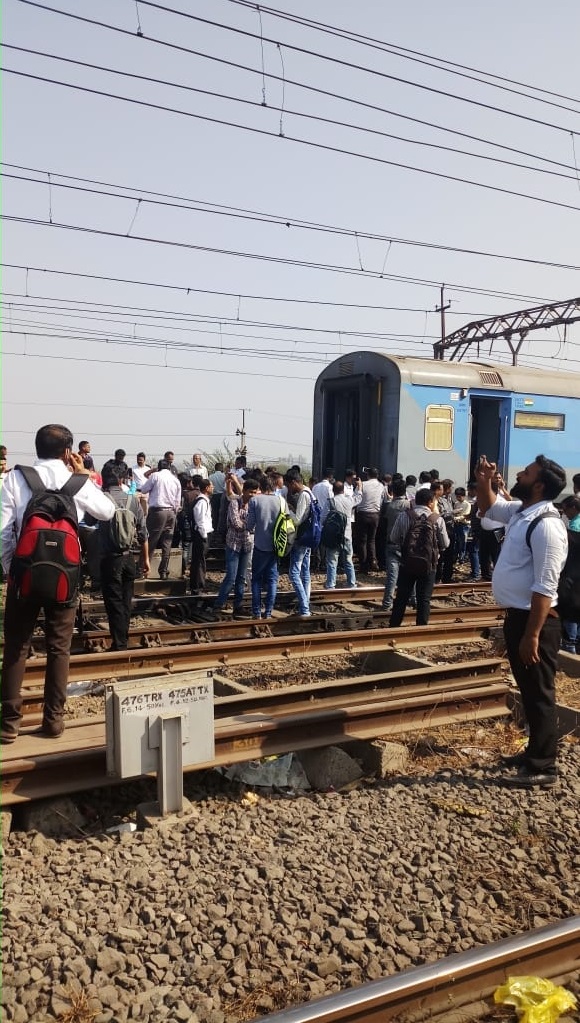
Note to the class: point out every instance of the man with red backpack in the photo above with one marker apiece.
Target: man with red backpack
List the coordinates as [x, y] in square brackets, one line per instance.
[41, 555]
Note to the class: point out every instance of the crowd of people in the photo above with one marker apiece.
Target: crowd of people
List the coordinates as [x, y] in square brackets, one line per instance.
[416, 531]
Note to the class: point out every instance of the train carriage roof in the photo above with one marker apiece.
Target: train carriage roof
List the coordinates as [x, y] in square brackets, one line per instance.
[471, 375]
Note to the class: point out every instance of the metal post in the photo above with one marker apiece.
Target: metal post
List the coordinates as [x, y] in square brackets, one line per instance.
[170, 765]
[438, 347]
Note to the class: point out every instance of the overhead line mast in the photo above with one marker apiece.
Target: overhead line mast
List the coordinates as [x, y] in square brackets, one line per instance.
[509, 327]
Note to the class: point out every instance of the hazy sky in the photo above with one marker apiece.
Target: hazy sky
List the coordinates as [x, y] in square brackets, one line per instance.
[166, 367]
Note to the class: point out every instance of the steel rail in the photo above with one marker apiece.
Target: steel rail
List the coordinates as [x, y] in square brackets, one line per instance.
[156, 660]
[265, 728]
[98, 639]
[417, 679]
[450, 984]
[153, 589]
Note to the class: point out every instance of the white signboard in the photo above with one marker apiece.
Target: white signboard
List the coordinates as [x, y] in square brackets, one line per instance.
[134, 712]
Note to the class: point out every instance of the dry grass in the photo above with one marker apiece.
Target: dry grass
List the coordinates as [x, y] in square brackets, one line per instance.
[80, 1010]
[262, 1000]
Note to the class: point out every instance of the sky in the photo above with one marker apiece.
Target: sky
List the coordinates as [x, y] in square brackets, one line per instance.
[224, 295]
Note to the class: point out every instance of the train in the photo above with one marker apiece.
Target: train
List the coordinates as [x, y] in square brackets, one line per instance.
[407, 414]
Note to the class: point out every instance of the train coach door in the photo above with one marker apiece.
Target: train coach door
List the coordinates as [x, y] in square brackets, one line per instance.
[489, 430]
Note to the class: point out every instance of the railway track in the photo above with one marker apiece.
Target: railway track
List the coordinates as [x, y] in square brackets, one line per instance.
[159, 594]
[95, 635]
[456, 988]
[251, 724]
[262, 645]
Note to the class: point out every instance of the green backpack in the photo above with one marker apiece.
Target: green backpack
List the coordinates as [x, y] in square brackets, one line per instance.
[284, 530]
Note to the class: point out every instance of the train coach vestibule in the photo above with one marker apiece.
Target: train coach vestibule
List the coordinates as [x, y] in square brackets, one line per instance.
[406, 414]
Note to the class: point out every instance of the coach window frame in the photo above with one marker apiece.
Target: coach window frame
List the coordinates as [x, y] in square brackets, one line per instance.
[437, 425]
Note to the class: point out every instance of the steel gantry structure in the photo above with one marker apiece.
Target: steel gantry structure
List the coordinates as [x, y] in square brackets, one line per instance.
[512, 327]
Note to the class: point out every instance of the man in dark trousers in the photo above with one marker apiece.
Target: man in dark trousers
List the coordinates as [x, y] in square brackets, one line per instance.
[119, 568]
[425, 505]
[54, 463]
[525, 582]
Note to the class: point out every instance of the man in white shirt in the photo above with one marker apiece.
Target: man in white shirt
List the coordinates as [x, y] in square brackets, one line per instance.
[323, 491]
[367, 521]
[140, 470]
[164, 490]
[54, 463]
[218, 478]
[202, 527]
[525, 582]
[197, 468]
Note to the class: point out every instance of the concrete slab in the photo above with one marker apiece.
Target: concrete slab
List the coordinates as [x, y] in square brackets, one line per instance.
[149, 814]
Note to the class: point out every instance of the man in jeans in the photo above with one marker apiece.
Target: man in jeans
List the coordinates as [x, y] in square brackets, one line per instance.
[262, 514]
[299, 571]
[393, 551]
[239, 546]
[342, 557]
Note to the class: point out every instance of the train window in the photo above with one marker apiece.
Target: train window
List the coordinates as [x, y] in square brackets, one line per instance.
[439, 427]
[540, 420]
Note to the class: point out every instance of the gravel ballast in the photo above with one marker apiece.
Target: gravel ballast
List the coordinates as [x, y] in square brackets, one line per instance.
[254, 902]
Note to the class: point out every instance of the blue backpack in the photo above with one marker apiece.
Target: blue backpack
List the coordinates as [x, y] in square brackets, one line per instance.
[310, 531]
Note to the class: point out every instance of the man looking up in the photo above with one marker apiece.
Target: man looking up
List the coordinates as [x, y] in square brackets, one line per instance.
[525, 582]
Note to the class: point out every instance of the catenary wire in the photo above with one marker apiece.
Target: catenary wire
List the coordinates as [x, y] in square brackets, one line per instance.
[98, 315]
[343, 63]
[276, 219]
[416, 56]
[401, 279]
[298, 113]
[302, 85]
[291, 138]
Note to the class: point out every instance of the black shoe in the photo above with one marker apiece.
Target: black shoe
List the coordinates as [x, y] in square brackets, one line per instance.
[527, 779]
[7, 736]
[51, 729]
[515, 760]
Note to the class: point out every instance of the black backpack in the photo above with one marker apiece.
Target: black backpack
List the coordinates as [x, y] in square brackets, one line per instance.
[333, 530]
[420, 548]
[46, 566]
[569, 582]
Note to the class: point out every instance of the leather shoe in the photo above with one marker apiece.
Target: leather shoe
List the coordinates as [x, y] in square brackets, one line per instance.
[515, 759]
[7, 736]
[51, 729]
[532, 779]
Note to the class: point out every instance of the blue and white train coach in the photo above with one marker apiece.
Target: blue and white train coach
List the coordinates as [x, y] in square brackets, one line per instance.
[408, 414]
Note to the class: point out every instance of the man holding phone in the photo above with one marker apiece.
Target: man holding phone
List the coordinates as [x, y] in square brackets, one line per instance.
[54, 464]
[525, 582]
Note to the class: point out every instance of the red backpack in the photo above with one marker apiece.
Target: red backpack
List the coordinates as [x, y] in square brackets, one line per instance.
[46, 566]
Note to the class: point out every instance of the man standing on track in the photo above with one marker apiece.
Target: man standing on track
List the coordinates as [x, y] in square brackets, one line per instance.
[164, 490]
[525, 582]
[54, 464]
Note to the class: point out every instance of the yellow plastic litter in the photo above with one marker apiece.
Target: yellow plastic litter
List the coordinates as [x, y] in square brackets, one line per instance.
[536, 1000]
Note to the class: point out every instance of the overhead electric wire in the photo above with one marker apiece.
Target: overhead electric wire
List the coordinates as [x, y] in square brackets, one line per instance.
[301, 85]
[343, 63]
[92, 315]
[218, 334]
[139, 408]
[417, 56]
[291, 138]
[277, 219]
[416, 281]
[298, 113]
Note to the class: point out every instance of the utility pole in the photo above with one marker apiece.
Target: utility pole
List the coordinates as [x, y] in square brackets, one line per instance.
[241, 432]
[438, 347]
